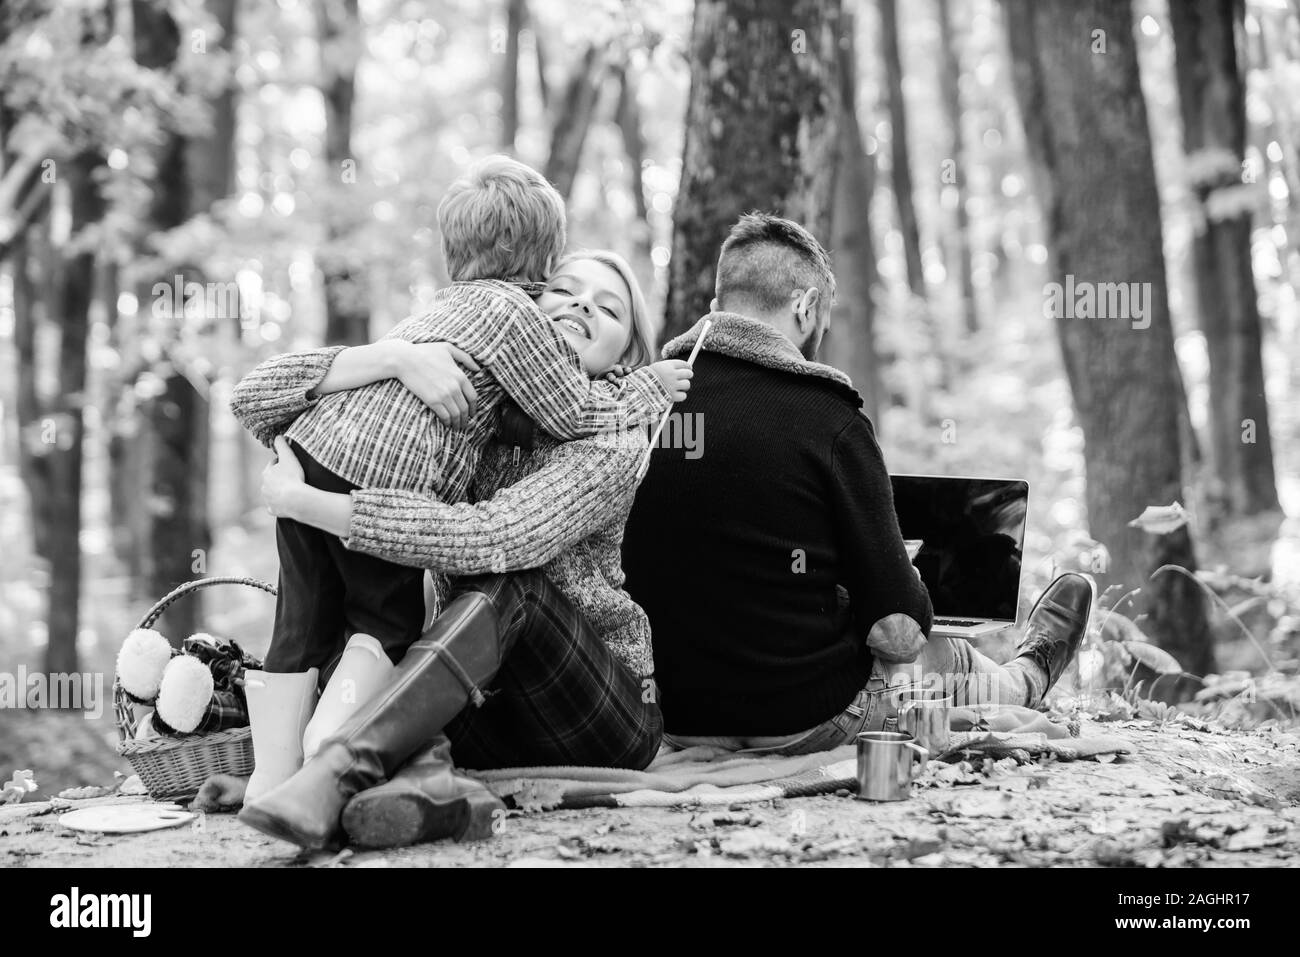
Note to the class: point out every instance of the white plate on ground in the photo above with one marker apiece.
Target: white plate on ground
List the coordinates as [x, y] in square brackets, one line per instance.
[126, 818]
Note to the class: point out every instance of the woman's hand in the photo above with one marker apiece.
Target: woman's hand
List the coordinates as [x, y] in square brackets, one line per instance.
[281, 480]
[433, 371]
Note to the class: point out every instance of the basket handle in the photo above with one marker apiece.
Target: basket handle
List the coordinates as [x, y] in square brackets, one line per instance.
[154, 613]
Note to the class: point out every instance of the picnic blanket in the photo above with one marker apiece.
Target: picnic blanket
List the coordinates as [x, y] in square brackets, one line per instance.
[710, 776]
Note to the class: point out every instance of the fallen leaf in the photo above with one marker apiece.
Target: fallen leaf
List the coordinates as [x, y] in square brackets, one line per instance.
[710, 819]
[85, 793]
[17, 787]
[131, 785]
[1252, 838]
[1161, 519]
[754, 841]
[981, 804]
[1157, 659]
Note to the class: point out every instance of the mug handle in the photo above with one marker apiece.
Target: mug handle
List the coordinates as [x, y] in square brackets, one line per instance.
[922, 753]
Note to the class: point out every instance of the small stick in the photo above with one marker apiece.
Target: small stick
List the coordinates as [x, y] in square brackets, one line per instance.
[654, 439]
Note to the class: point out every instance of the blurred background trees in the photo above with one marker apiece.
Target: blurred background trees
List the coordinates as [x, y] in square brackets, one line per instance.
[187, 187]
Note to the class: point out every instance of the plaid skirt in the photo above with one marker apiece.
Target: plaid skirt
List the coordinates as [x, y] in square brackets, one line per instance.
[561, 697]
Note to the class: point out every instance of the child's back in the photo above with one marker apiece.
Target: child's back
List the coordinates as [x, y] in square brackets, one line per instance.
[383, 436]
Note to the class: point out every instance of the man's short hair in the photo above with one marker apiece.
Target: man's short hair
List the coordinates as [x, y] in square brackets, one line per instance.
[501, 220]
[764, 258]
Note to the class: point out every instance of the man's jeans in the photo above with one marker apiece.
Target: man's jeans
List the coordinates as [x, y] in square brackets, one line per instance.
[952, 663]
[866, 712]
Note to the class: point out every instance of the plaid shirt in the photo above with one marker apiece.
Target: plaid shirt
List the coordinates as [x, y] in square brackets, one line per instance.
[383, 436]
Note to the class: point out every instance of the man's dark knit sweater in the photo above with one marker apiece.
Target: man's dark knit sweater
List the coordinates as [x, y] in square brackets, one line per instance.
[764, 562]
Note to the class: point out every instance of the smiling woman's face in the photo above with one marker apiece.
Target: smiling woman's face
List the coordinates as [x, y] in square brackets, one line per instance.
[591, 306]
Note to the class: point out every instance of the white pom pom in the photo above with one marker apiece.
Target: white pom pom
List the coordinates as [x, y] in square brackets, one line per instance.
[141, 661]
[185, 693]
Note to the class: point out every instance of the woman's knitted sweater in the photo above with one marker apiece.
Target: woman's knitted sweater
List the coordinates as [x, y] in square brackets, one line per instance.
[560, 507]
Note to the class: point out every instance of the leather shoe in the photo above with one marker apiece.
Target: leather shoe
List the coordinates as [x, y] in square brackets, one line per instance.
[1056, 626]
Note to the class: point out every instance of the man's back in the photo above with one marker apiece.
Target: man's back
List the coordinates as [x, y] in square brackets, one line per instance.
[744, 556]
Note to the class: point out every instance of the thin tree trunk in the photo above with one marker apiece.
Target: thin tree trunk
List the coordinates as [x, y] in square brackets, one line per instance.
[950, 75]
[1077, 84]
[347, 312]
[539, 56]
[71, 309]
[850, 341]
[762, 126]
[51, 427]
[573, 120]
[901, 170]
[628, 116]
[176, 445]
[1213, 100]
[515, 14]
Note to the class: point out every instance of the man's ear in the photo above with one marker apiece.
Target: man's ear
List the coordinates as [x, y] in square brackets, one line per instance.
[713, 305]
[805, 307]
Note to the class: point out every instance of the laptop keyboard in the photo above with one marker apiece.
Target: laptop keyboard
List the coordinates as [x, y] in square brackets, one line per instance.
[957, 622]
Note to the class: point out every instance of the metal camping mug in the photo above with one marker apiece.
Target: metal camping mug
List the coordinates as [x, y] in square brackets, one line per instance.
[886, 763]
[924, 714]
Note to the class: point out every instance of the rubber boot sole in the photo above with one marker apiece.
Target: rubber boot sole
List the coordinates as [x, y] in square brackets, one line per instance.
[274, 826]
[396, 818]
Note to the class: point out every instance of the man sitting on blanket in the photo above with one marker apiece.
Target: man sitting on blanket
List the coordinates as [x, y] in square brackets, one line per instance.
[784, 604]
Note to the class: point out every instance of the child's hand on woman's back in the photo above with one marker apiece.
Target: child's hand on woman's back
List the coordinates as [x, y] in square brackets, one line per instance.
[675, 374]
[433, 371]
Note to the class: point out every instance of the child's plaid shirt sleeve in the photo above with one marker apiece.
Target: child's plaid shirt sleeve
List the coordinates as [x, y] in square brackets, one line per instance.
[539, 370]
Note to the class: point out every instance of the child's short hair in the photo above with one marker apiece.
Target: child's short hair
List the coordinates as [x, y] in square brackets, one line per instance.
[501, 220]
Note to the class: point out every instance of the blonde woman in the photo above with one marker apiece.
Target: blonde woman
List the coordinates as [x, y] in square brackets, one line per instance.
[539, 656]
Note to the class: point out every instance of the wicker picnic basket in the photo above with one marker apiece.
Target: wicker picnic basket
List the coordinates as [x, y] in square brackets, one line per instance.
[175, 767]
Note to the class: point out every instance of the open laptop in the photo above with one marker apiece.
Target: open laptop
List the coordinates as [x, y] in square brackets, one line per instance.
[966, 536]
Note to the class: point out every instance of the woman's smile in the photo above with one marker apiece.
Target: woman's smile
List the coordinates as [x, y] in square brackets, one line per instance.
[575, 323]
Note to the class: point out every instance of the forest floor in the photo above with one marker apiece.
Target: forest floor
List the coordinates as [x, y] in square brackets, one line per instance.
[1189, 795]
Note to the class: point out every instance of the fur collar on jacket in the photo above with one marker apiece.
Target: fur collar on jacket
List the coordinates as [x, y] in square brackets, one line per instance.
[753, 341]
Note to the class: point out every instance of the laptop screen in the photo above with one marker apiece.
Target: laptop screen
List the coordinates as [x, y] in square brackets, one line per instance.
[972, 534]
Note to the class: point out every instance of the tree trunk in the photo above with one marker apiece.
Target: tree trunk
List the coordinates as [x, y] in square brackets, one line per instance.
[210, 157]
[573, 120]
[850, 341]
[762, 125]
[1212, 96]
[515, 14]
[1077, 85]
[73, 294]
[628, 116]
[900, 169]
[347, 312]
[950, 75]
[539, 58]
[176, 440]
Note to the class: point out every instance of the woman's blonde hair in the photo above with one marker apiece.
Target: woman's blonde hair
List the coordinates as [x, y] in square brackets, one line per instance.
[641, 347]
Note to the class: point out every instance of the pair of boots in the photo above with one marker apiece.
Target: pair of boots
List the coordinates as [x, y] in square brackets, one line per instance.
[288, 721]
[398, 726]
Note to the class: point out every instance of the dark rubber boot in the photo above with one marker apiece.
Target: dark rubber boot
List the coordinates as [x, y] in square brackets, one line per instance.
[425, 801]
[440, 674]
